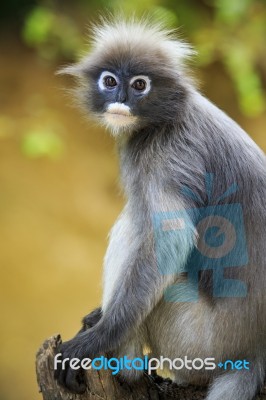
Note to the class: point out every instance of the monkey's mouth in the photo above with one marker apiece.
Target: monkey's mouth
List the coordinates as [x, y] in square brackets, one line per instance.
[119, 109]
[118, 119]
[119, 115]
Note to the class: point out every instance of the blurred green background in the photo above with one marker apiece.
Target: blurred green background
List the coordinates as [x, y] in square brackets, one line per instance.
[59, 174]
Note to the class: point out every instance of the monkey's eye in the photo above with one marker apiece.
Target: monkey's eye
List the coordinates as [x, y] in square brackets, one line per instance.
[107, 81]
[110, 81]
[141, 84]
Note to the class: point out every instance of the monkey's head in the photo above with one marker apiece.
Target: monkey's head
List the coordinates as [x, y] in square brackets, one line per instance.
[134, 75]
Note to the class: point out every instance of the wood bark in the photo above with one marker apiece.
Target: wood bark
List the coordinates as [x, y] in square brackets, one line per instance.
[102, 385]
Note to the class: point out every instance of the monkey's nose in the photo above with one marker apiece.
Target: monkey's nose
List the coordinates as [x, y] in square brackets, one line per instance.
[122, 97]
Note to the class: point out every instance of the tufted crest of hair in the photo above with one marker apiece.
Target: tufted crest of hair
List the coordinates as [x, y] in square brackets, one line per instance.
[143, 35]
[118, 39]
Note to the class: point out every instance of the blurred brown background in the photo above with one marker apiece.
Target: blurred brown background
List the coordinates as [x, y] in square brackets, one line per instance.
[59, 192]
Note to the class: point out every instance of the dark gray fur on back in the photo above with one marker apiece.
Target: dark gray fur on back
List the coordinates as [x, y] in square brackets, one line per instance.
[178, 139]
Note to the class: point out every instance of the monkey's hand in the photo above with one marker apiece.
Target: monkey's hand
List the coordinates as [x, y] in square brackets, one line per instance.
[68, 359]
[74, 380]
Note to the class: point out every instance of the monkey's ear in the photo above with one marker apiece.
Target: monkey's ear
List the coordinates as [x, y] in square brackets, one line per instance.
[76, 70]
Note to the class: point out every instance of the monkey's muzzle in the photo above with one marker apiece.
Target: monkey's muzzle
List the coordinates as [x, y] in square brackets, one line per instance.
[119, 115]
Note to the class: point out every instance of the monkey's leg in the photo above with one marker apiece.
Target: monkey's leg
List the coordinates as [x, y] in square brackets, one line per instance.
[132, 349]
[237, 385]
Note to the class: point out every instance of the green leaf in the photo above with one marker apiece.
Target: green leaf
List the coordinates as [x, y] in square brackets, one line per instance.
[231, 10]
[246, 79]
[42, 143]
[38, 25]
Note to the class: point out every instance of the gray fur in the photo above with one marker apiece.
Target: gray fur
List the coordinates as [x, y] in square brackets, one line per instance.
[180, 136]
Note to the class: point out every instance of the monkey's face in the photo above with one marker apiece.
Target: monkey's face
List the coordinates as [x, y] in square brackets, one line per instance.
[127, 97]
[121, 97]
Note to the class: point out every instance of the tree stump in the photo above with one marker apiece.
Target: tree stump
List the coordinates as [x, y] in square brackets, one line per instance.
[102, 385]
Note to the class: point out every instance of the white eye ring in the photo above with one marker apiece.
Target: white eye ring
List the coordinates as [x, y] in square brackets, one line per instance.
[103, 75]
[143, 78]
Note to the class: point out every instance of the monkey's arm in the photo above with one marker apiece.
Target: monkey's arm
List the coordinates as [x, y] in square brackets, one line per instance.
[138, 287]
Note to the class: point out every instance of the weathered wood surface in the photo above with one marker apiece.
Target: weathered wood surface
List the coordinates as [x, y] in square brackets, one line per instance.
[102, 385]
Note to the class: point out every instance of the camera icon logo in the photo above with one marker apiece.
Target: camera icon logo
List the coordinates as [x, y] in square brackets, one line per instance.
[221, 244]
